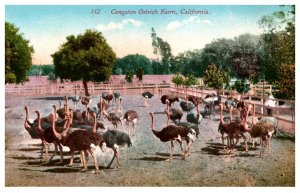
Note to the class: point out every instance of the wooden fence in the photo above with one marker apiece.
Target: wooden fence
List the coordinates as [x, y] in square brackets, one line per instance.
[285, 114]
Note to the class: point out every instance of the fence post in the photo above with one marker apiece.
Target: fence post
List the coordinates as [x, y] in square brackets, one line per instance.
[262, 107]
[277, 106]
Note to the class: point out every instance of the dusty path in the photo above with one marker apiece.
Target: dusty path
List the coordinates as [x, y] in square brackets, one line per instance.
[144, 163]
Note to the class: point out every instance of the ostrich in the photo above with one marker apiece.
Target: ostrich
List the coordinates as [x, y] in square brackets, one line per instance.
[86, 122]
[211, 101]
[61, 112]
[75, 100]
[174, 132]
[231, 102]
[270, 102]
[114, 138]
[186, 105]
[85, 100]
[112, 116]
[171, 99]
[233, 129]
[222, 129]
[107, 96]
[31, 128]
[130, 116]
[175, 114]
[192, 118]
[117, 95]
[271, 120]
[147, 95]
[81, 140]
[104, 94]
[263, 130]
[195, 100]
[46, 135]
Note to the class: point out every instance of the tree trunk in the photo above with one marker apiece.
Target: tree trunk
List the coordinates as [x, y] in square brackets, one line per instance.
[86, 91]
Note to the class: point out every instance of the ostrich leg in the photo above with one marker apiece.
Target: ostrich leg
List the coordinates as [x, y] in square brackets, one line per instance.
[261, 146]
[95, 161]
[188, 148]
[117, 156]
[268, 146]
[182, 152]
[84, 161]
[46, 149]
[61, 154]
[55, 153]
[171, 151]
[71, 160]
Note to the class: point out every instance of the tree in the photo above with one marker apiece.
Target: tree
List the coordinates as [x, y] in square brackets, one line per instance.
[129, 76]
[287, 82]
[278, 41]
[245, 56]
[87, 57]
[178, 79]
[241, 86]
[18, 53]
[43, 70]
[133, 62]
[218, 52]
[164, 48]
[139, 74]
[214, 77]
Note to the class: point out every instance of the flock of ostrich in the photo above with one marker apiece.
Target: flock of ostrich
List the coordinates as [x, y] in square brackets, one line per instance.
[83, 131]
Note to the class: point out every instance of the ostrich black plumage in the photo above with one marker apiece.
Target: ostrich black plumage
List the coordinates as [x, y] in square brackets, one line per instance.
[114, 139]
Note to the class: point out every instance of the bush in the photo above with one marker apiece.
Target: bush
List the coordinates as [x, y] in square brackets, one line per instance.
[191, 80]
[178, 79]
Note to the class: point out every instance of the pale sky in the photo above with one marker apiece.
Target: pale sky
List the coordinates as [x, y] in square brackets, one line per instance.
[47, 26]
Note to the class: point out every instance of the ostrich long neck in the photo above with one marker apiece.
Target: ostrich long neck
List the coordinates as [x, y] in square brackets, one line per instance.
[187, 102]
[66, 101]
[66, 129]
[245, 121]
[95, 123]
[168, 118]
[120, 104]
[156, 133]
[221, 116]
[230, 114]
[39, 122]
[168, 106]
[104, 108]
[71, 116]
[54, 115]
[56, 134]
[253, 114]
[26, 119]
[198, 112]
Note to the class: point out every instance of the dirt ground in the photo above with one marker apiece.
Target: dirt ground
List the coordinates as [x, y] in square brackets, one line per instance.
[144, 163]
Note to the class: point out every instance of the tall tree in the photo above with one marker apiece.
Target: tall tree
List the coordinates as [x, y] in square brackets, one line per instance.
[278, 41]
[246, 56]
[87, 57]
[164, 49]
[18, 53]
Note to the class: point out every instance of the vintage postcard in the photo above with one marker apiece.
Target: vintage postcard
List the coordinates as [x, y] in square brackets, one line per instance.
[158, 95]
